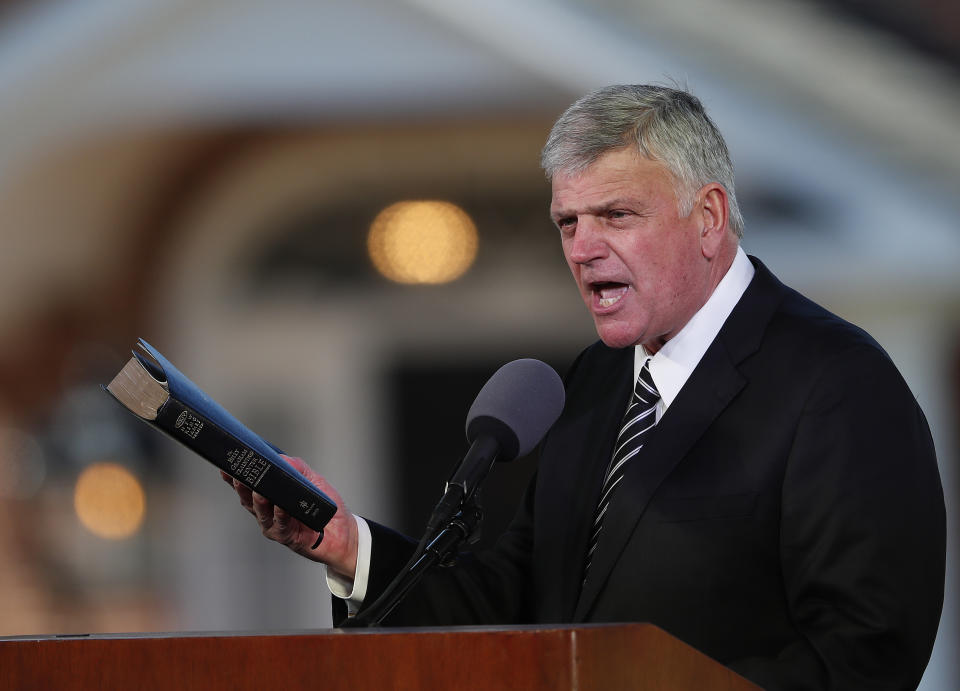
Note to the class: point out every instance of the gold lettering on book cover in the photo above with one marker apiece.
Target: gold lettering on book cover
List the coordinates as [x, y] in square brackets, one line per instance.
[189, 424]
[247, 466]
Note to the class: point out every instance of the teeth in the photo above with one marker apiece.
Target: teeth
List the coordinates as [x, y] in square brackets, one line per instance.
[610, 296]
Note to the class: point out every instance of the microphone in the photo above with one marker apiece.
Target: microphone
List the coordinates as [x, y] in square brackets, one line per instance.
[508, 418]
[510, 415]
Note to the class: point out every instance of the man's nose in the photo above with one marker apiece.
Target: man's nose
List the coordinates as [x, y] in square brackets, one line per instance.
[587, 243]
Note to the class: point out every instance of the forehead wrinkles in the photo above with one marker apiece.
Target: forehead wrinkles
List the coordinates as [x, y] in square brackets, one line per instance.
[596, 182]
[599, 190]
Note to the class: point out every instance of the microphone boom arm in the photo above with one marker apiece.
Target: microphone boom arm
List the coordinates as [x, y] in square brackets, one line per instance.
[463, 526]
[468, 477]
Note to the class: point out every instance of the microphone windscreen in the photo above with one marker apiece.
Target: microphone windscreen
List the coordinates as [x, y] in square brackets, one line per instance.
[517, 405]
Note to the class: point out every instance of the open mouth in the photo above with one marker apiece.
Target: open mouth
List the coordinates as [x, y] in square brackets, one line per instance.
[608, 293]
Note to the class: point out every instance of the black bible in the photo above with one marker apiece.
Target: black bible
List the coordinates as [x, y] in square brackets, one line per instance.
[151, 388]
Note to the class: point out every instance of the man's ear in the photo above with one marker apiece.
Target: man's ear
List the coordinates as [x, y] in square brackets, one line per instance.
[714, 215]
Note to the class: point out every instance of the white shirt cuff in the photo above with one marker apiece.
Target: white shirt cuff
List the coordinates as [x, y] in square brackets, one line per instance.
[355, 590]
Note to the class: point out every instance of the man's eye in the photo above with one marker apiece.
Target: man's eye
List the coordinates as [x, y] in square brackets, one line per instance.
[617, 214]
[566, 223]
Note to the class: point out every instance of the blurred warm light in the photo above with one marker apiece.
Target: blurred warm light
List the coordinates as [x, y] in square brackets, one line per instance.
[22, 464]
[422, 242]
[109, 501]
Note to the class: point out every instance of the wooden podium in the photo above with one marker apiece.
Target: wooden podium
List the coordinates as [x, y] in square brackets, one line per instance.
[602, 656]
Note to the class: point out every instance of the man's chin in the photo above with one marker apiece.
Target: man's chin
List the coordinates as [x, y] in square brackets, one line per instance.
[613, 337]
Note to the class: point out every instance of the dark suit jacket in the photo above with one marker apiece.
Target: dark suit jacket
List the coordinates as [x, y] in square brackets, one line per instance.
[786, 516]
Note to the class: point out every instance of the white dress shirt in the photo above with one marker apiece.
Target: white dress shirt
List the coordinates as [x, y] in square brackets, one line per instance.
[670, 368]
[673, 364]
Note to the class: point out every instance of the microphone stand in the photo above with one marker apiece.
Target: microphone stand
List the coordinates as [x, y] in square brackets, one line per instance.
[465, 525]
[455, 518]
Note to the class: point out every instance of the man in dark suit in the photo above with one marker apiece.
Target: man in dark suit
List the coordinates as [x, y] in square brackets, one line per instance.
[770, 496]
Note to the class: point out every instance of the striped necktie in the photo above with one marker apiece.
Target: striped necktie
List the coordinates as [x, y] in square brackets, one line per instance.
[638, 422]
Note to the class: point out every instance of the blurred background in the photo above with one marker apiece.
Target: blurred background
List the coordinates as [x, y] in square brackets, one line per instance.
[222, 179]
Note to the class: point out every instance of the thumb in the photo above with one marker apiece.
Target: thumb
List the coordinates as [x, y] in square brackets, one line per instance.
[302, 467]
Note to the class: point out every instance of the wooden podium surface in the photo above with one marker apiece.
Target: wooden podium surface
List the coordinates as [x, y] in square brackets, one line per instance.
[602, 656]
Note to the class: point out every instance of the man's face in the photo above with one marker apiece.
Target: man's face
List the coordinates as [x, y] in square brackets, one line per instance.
[638, 264]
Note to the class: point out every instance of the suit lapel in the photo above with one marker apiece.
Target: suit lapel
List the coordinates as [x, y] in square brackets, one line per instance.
[711, 387]
[708, 391]
[583, 444]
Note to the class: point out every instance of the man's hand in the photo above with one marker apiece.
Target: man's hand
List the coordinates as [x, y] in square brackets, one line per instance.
[338, 549]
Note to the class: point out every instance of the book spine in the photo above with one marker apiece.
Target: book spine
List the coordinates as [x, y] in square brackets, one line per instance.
[238, 460]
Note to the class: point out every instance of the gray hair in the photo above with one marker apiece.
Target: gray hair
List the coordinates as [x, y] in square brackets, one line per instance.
[666, 125]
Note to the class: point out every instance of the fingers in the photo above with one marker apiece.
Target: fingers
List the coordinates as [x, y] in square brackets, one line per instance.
[263, 510]
[276, 524]
[242, 490]
[282, 519]
[245, 494]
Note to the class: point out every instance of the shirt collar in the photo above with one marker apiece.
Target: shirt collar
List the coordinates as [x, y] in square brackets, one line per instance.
[673, 364]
